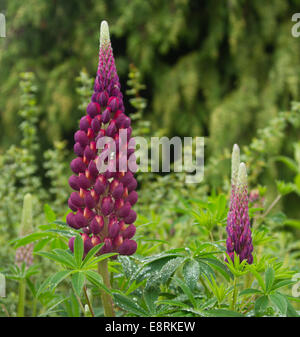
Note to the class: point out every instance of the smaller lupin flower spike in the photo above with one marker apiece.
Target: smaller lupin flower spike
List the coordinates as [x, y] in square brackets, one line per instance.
[24, 253]
[235, 163]
[239, 238]
[102, 201]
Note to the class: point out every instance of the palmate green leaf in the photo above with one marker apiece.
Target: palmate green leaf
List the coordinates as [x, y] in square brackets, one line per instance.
[72, 306]
[292, 222]
[91, 254]
[162, 270]
[130, 268]
[14, 277]
[52, 282]
[204, 249]
[237, 268]
[134, 285]
[291, 312]
[191, 272]
[127, 304]
[95, 260]
[173, 303]
[279, 301]
[50, 310]
[284, 188]
[78, 282]
[31, 287]
[57, 243]
[220, 267]
[209, 303]
[63, 233]
[223, 313]
[176, 251]
[158, 257]
[31, 238]
[221, 209]
[78, 250]
[40, 244]
[60, 258]
[288, 162]
[281, 284]
[258, 277]
[250, 291]
[295, 299]
[62, 223]
[269, 278]
[49, 213]
[150, 296]
[186, 290]
[206, 269]
[57, 278]
[261, 304]
[32, 270]
[96, 280]
[169, 269]
[43, 286]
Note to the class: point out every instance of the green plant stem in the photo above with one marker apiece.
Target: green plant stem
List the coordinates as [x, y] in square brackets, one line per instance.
[106, 298]
[204, 286]
[88, 301]
[80, 304]
[248, 280]
[22, 296]
[34, 307]
[234, 295]
[275, 201]
[245, 305]
[5, 310]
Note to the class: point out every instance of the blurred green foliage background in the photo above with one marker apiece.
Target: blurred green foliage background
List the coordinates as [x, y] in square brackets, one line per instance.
[219, 69]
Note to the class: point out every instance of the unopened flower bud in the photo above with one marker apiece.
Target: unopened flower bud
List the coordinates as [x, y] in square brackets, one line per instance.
[129, 232]
[107, 205]
[93, 109]
[128, 247]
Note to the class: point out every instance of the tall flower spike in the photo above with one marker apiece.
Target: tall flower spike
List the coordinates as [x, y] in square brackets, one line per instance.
[101, 202]
[239, 238]
[24, 253]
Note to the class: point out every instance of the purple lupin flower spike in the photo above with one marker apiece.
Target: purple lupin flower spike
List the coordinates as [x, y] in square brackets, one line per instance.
[239, 238]
[101, 202]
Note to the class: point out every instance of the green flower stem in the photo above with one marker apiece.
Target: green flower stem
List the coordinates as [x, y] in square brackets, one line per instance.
[34, 305]
[106, 298]
[88, 301]
[273, 204]
[248, 281]
[204, 286]
[22, 296]
[234, 295]
[80, 304]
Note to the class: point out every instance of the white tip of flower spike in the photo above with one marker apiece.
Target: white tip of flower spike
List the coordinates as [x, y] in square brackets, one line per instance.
[104, 34]
[235, 164]
[26, 225]
[242, 177]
